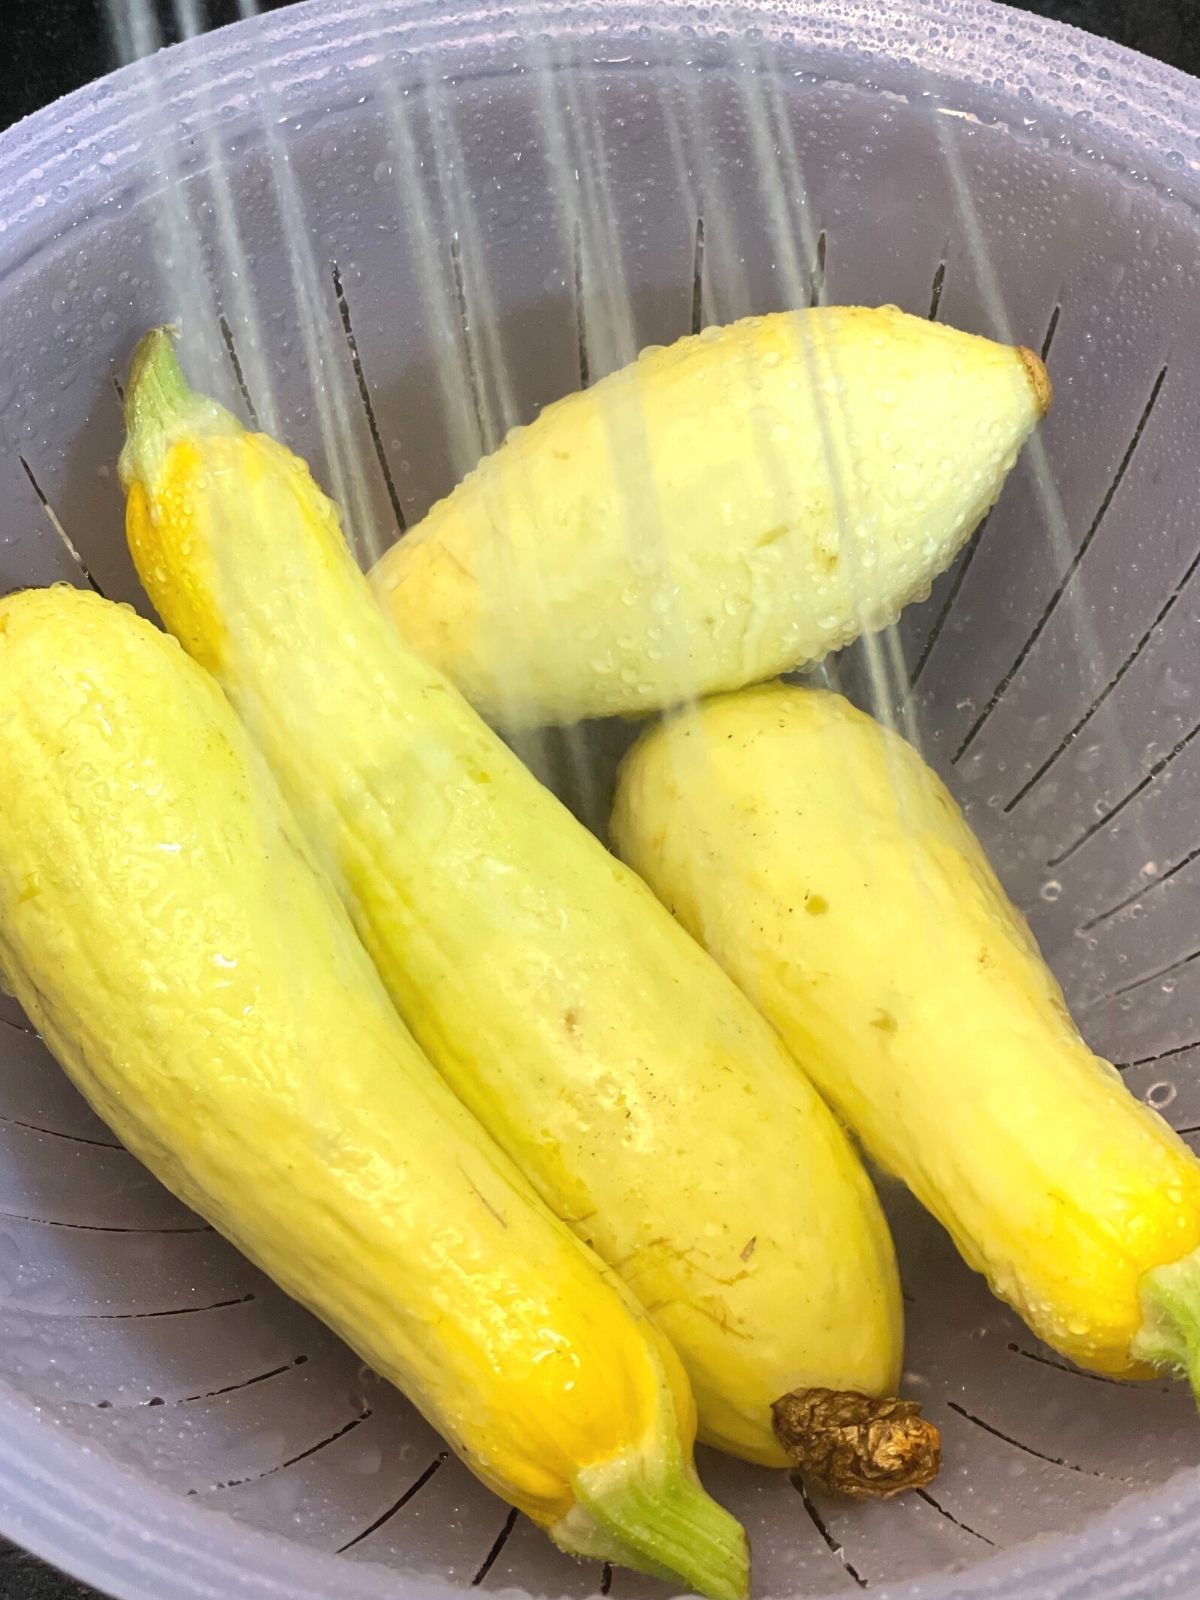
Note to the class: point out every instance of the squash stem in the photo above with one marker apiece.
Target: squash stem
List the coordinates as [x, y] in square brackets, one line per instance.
[160, 406]
[852, 1444]
[666, 1526]
[1170, 1332]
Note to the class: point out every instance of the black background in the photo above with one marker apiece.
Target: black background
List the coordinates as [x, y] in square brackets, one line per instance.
[56, 45]
[53, 46]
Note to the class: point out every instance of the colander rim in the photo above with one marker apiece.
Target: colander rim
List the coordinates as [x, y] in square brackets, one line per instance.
[96, 1518]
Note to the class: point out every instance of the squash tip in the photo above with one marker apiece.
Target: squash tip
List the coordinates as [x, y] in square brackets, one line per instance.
[1039, 379]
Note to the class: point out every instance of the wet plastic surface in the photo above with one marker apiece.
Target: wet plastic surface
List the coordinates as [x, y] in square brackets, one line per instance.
[169, 1424]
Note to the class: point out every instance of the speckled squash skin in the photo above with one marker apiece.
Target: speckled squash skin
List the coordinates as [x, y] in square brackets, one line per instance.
[165, 927]
[830, 872]
[642, 1094]
[719, 512]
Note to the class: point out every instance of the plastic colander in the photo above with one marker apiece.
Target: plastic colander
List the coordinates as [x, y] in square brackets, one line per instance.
[393, 229]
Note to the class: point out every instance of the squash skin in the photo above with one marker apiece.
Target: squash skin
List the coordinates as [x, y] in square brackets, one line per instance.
[165, 927]
[831, 873]
[721, 511]
[598, 1044]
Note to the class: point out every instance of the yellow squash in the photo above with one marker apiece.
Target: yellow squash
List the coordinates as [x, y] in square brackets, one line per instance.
[163, 924]
[639, 1090]
[718, 512]
[830, 872]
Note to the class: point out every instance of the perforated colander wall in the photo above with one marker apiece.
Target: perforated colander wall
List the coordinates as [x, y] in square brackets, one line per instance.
[462, 270]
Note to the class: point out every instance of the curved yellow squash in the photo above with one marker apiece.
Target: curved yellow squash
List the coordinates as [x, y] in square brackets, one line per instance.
[646, 1099]
[163, 924]
[830, 872]
[720, 511]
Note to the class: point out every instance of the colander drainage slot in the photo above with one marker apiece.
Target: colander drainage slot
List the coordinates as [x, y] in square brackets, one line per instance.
[96, 1227]
[245, 1383]
[1141, 892]
[581, 328]
[238, 373]
[53, 1133]
[1060, 589]
[972, 549]
[935, 298]
[957, 1521]
[1149, 977]
[1051, 330]
[179, 1311]
[364, 394]
[502, 1538]
[1164, 611]
[413, 1489]
[470, 354]
[321, 1444]
[947, 605]
[19, 1027]
[1101, 822]
[816, 293]
[1017, 1444]
[56, 524]
[1162, 1055]
[1063, 1366]
[698, 278]
[834, 1547]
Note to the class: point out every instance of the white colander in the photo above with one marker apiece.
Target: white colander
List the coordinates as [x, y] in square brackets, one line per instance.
[390, 230]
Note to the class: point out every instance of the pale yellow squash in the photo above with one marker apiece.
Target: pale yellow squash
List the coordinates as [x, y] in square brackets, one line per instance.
[646, 1099]
[163, 924]
[830, 872]
[719, 512]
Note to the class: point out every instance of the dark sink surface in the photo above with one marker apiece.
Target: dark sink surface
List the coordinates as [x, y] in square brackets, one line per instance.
[57, 45]
[24, 1578]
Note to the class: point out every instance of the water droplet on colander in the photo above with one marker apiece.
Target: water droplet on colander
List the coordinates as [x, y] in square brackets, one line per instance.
[1173, 688]
[1159, 1095]
[1050, 890]
[1090, 757]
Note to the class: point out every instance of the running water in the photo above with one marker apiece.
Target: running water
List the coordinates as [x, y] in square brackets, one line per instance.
[289, 336]
[203, 257]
